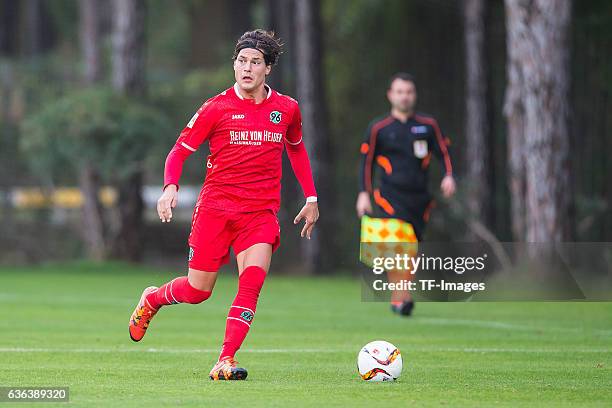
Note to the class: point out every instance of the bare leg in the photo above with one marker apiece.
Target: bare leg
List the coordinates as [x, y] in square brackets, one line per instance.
[256, 255]
[202, 280]
[399, 296]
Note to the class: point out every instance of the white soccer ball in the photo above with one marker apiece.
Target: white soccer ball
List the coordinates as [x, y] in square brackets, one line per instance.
[379, 361]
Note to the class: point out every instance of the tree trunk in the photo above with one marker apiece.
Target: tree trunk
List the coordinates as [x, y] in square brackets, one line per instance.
[129, 240]
[476, 123]
[280, 19]
[92, 227]
[92, 219]
[90, 26]
[208, 32]
[36, 29]
[546, 127]
[310, 92]
[537, 112]
[514, 113]
[9, 28]
[129, 45]
[239, 16]
[129, 77]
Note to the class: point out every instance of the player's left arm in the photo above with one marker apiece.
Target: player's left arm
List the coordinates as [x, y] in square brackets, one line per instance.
[441, 148]
[300, 163]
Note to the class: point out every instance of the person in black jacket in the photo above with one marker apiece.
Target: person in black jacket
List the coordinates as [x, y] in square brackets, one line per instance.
[401, 145]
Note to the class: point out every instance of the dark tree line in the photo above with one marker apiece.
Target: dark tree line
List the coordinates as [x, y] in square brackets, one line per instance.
[522, 88]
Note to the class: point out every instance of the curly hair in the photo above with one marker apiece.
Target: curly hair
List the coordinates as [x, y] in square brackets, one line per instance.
[262, 40]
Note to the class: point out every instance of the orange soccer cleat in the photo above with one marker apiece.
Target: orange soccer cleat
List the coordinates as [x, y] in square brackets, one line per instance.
[226, 369]
[142, 315]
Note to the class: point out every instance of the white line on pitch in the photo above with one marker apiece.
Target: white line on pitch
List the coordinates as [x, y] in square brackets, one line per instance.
[303, 350]
[152, 350]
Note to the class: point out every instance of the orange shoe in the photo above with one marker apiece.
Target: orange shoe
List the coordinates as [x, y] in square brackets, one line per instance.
[227, 369]
[142, 315]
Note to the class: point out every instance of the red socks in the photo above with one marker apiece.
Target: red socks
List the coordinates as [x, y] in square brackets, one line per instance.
[242, 312]
[176, 291]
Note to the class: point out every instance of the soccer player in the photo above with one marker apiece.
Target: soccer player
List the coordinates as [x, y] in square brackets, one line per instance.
[401, 145]
[247, 127]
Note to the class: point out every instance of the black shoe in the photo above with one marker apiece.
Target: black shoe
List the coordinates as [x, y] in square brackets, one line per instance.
[405, 309]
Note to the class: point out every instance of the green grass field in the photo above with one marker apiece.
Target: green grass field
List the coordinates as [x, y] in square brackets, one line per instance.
[67, 326]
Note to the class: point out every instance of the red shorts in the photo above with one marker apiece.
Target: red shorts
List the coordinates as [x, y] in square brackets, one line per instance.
[214, 231]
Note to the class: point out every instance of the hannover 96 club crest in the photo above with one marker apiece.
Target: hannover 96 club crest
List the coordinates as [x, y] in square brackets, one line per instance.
[275, 117]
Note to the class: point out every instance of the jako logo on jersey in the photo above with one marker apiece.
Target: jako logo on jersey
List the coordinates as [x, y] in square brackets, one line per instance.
[246, 315]
[190, 257]
[275, 117]
[236, 116]
[418, 129]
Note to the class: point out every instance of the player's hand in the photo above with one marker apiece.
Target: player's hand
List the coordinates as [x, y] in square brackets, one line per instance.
[310, 213]
[167, 202]
[364, 205]
[448, 186]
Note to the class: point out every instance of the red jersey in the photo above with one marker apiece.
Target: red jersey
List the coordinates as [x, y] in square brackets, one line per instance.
[246, 145]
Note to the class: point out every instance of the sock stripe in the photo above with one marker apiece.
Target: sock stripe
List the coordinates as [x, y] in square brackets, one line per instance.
[240, 320]
[171, 294]
[245, 308]
[166, 294]
[242, 309]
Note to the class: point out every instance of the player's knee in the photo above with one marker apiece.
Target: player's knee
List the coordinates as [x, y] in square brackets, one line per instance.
[252, 279]
[196, 290]
[195, 296]
[201, 280]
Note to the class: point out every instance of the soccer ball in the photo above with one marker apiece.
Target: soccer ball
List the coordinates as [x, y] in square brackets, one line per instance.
[379, 361]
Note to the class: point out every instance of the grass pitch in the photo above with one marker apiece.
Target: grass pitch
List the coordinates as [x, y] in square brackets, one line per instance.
[67, 326]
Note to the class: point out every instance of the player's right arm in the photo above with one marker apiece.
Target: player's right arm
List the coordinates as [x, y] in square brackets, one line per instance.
[193, 135]
[367, 150]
